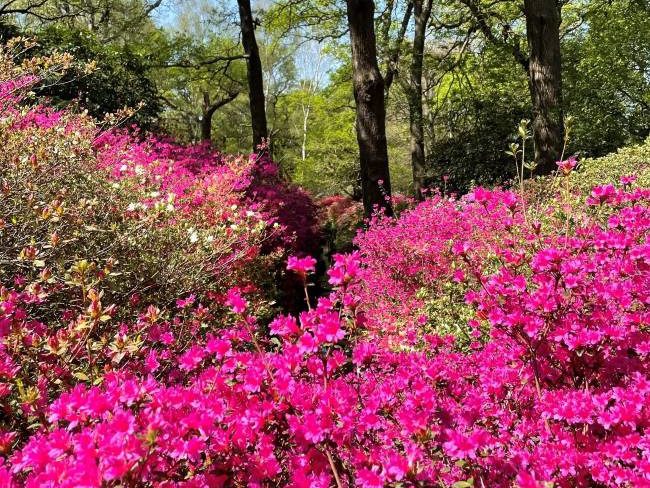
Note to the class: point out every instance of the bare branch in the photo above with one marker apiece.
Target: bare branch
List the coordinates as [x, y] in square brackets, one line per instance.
[393, 59]
[199, 64]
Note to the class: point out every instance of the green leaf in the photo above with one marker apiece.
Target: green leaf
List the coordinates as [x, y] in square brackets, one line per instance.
[80, 376]
[464, 484]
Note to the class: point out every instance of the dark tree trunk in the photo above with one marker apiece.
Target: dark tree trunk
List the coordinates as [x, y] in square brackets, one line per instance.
[206, 127]
[370, 107]
[421, 14]
[545, 81]
[255, 79]
[208, 111]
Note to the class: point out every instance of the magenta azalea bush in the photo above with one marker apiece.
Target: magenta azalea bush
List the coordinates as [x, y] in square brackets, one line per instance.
[468, 342]
[198, 180]
[145, 215]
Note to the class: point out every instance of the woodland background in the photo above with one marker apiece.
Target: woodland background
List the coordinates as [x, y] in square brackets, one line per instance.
[183, 64]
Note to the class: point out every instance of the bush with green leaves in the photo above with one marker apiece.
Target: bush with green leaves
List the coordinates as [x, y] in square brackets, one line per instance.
[121, 79]
[626, 161]
[70, 225]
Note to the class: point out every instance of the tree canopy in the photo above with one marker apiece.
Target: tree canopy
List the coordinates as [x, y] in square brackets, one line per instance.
[458, 76]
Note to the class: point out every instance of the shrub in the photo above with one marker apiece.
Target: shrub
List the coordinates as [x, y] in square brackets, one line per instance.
[629, 160]
[409, 265]
[61, 210]
[553, 386]
[98, 224]
[540, 377]
[120, 80]
[146, 216]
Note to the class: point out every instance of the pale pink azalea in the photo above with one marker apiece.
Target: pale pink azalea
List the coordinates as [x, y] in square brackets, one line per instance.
[567, 165]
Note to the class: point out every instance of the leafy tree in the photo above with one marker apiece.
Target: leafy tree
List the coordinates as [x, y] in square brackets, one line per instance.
[121, 79]
[331, 162]
[198, 77]
[607, 87]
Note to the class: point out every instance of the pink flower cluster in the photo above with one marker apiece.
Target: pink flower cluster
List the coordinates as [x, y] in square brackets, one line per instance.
[555, 386]
[198, 180]
[566, 166]
[418, 252]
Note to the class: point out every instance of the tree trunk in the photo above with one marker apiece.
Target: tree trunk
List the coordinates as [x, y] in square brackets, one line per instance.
[421, 13]
[305, 119]
[545, 81]
[206, 127]
[208, 111]
[392, 63]
[255, 78]
[370, 107]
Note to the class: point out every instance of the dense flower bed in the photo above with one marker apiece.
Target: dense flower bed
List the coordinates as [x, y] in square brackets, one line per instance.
[198, 180]
[470, 342]
[554, 386]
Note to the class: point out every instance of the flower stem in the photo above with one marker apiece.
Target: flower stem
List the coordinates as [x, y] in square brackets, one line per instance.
[335, 472]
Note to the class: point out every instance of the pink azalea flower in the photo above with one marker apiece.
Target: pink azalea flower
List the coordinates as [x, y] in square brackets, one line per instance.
[235, 301]
[186, 302]
[301, 266]
[369, 479]
[567, 165]
[191, 358]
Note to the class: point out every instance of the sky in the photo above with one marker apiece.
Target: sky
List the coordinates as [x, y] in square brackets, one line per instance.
[167, 13]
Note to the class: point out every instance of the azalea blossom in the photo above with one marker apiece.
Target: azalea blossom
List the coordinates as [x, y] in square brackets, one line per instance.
[567, 165]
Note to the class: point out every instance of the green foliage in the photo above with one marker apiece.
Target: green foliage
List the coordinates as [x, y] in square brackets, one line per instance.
[120, 80]
[118, 22]
[331, 163]
[475, 90]
[192, 81]
[446, 312]
[630, 160]
[607, 77]
[474, 113]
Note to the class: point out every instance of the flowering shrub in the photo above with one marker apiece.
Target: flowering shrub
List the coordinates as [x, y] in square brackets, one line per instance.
[215, 219]
[60, 214]
[611, 168]
[220, 188]
[341, 217]
[411, 275]
[554, 386]
[471, 342]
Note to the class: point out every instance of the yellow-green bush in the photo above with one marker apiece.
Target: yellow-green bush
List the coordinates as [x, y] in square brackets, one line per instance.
[629, 160]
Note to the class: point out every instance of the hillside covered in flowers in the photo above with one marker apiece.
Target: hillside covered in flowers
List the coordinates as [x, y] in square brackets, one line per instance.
[169, 318]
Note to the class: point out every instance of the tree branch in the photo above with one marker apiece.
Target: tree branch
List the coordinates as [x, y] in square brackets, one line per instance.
[393, 60]
[484, 27]
[224, 101]
[199, 64]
